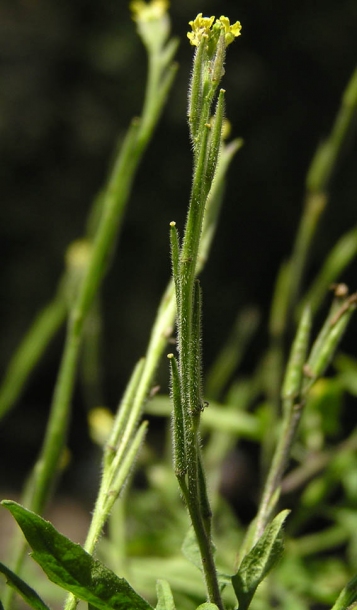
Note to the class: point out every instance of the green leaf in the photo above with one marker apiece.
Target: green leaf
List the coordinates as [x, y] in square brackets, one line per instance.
[26, 592]
[207, 606]
[259, 561]
[69, 566]
[165, 600]
[347, 596]
[191, 550]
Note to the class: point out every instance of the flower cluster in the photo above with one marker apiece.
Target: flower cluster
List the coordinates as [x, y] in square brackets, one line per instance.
[152, 22]
[146, 12]
[204, 28]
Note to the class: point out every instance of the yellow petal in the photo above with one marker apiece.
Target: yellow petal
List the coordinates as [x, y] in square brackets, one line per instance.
[200, 29]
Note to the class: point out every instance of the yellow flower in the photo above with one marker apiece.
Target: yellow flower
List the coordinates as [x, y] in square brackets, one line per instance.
[200, 29]
[231, 31]
[146, 12]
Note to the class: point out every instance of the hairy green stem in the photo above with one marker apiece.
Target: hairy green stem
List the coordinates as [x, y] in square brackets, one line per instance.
[206, 550]
[131, 405]
[279, 463]
[188, 402]
[300, 376]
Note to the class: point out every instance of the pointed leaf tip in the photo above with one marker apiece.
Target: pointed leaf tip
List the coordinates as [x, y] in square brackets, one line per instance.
[165, 600]
[259, 561]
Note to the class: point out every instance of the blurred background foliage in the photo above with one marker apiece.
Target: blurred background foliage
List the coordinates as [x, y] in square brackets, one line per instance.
[71, 76]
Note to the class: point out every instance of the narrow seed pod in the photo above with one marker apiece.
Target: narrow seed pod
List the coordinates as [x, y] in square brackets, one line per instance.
[341, 255]
[320, 340]
[280, 302]
[215, 140]
[294, 371]
[195, 355]
[175, 262]
[329, 337]
[219, 59]
[178, 428]
[195, 92]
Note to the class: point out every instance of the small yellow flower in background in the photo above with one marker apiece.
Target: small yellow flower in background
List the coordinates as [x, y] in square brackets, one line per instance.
[202, 28]
[78, 254]
[226, 129]
[153, 23]
[100, 422]
[141, 11]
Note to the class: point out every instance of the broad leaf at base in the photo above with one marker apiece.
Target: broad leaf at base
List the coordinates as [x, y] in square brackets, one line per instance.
[72, 568]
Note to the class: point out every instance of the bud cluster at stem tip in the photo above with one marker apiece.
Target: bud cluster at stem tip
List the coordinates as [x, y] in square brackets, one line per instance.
[209, 29]
[211, 37]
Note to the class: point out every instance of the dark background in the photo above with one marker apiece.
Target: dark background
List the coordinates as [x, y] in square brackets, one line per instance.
[72, 75]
